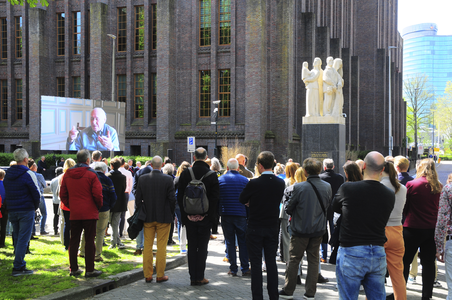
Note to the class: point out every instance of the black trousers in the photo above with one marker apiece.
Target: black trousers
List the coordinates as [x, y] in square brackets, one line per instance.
[56, 217]
[424, 239]
[258, 239]
[3, 222]
[198, 236]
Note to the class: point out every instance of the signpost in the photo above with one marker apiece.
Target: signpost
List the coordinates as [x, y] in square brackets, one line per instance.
[191, 146]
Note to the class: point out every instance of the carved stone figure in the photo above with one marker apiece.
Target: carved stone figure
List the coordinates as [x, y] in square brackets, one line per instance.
[330, 80]
[339, 99]
[311, 80]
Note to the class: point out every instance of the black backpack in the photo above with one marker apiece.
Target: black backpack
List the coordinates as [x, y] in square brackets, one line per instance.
[195, 198]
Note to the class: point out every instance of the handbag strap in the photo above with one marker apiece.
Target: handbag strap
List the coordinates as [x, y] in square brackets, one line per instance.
[318, 197]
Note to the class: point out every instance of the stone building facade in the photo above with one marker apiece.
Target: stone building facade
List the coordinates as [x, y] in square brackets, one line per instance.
[174, 57]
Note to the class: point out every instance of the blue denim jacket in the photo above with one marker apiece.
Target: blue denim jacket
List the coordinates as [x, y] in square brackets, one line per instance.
[87, 139]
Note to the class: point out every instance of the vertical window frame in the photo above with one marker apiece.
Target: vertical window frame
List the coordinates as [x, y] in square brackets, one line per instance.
[61, 87]
[205, 18]
[76, 87]
[4, 99]
[76, 33]
[153, 106]
[154, 26]
[205, 88]
[224, 93]
[61, 20]
[139, 28]
[4, 37]
[18, 36]
[138, 96]
[122, 29]
[121, 87]
[19, 100]
[224, 10]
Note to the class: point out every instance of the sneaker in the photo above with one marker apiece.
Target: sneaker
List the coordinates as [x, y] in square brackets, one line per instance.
[138, 252]
[76, 273]
[112, 247]
[283, 295]
[322, 279]
[183, 251]
[22, 271]
[225, 259]
[98, 259]
[437, 284]
[94, 273]
[412, 280]
[121, 246]
[233, 274]
[308, 297]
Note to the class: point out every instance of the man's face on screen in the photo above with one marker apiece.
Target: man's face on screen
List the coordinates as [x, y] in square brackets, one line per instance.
[97, 120]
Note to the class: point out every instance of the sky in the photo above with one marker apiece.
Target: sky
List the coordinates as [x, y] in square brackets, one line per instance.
[413, 12]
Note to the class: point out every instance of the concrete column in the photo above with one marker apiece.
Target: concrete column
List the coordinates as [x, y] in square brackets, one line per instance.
[354, 103]
[100, 53]
[166, 70]
[39, 76]
[335, 48]
[256, 72]
[322, 44]
[378, 137]
[346, 90]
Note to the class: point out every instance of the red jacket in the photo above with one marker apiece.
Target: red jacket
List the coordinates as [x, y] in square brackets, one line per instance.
[81, 192]
[421, 206]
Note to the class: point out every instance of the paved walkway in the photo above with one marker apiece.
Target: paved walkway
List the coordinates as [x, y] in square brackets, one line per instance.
[222, 286]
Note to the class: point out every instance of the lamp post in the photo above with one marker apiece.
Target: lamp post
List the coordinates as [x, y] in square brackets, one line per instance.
[415, 121]
[390, 106]
[112, 152]
[215, 114]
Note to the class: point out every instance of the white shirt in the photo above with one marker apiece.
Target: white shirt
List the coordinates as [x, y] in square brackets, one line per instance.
[129, 179]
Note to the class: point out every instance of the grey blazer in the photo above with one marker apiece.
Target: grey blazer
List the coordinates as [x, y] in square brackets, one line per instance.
[155, 191]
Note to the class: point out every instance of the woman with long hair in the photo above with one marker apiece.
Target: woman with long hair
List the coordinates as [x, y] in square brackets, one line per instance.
[69, 163]
[394, 246]
[300, 176]
[421, 212]
[291, 168]
[181, 231]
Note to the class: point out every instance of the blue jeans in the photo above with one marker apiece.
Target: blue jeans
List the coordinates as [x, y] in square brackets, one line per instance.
[364, 265]
[43, 209]
[22, 222]
[232, 226]
[140, 240]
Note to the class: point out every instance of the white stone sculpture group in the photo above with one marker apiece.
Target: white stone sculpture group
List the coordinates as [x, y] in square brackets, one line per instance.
[324, 88]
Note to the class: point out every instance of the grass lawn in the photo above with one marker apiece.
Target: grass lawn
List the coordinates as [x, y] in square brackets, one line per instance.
[50, 263]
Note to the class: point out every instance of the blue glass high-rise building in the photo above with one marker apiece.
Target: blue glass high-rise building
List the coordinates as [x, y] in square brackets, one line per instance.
[426, 52]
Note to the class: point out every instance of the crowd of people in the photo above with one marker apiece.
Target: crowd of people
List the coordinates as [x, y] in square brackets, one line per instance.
[377, 219]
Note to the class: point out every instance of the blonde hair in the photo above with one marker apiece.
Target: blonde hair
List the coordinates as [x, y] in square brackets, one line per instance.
[291, 168]
[402, 162]
[69, 163]
[183, 166]
[427, 169]
[256, 172]
[299, 175]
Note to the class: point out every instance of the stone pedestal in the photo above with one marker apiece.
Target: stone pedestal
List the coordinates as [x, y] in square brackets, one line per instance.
[324, 141]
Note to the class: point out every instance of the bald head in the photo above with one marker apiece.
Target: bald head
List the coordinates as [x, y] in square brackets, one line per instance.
[241, 159]
[374, 163]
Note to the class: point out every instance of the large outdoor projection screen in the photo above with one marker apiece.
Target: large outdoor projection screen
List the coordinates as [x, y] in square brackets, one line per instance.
[60, 114]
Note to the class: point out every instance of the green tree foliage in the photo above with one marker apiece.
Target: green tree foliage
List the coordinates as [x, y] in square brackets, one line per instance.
[32, 3]
[418, 94]
[443, 114]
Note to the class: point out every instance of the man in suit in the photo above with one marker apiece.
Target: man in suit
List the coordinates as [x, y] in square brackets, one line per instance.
[335, 180]
[198, 226]
[263, 196]
[155, 191]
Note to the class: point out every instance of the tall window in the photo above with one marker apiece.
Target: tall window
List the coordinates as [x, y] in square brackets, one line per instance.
[77, 33]
[139, 28]
[122, 88]
[19, 102]
[224, 92]
[76, 86]
[88, 33]
[204, 93]
[154, 26]
[4, 38]
[139, 96]
[204, 23]
[154, 96]
[61, 86]
[122, 29]
[18, 35]
[60, 33]
[4, 98]
[225, 22]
